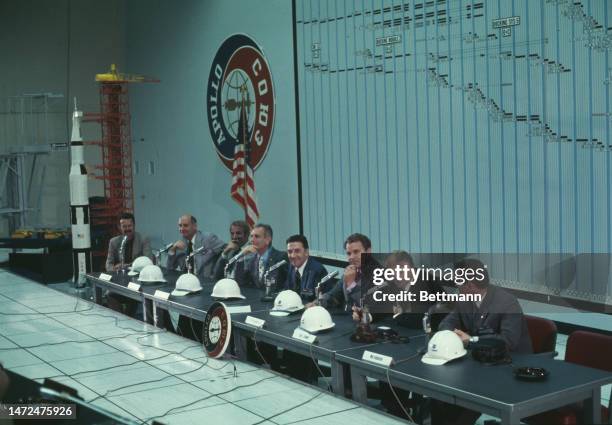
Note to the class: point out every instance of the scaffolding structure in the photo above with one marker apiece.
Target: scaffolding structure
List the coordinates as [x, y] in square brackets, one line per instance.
[116, 146]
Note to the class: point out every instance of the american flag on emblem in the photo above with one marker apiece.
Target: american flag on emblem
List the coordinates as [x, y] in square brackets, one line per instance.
[243, 184]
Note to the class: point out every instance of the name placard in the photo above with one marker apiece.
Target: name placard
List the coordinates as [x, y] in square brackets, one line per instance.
[369, 356]
[133, 287]
[161, 295]
[105, 277]
[239, 309]
[254, 321]
[302, 335]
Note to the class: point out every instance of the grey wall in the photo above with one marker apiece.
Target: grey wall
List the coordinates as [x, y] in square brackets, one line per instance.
[56, 46]
[176, 42]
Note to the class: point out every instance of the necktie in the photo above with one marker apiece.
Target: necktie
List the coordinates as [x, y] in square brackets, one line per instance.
[298, 282]
[261, 268]
[192, 259]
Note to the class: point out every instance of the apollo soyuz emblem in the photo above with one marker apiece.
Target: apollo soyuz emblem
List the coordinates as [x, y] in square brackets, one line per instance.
[239, 75]
[217, 330]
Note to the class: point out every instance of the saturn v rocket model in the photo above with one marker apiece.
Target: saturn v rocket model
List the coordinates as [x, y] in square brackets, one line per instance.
[79, 203]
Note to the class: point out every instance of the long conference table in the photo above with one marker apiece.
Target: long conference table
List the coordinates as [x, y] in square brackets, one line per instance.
[488, 389]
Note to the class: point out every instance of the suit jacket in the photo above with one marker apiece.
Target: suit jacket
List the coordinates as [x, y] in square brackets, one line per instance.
[339, 296]
[219, 269]
[247, 272]
[499, 316]
[313, 273]
[204, 261]
[140, 247]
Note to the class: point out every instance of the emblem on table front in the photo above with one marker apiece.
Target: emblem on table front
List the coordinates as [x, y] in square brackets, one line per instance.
[217, 330]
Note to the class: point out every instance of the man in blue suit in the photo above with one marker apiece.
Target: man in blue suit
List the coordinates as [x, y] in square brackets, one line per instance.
[304, 272]
[303, 275]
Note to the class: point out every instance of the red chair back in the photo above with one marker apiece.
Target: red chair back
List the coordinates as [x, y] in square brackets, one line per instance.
[543, 333]
[590, 349]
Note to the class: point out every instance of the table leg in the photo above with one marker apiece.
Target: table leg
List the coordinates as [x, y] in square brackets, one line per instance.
[96, 292]
[240, 344]
[337, 378]
[507, 418]
[144, 309]
[154, 308]
[358, 384]
[592, 407]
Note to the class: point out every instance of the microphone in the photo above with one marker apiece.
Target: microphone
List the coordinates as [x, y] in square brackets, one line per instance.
[199, 250]
[122, 249]
[269, 282]
[236, 257]
[327, 277]
[167, 248]
[277, 265]
[377, 288]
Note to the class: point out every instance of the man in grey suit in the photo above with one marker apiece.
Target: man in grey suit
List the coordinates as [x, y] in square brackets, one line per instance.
[202, 263]
[498, 315]
[135, 245]
[261, 255]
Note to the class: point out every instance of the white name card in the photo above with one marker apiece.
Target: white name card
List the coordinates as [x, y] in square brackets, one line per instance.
[161, 295]
[133, 287]
[302, 335]
[369, 356]
[106, 277]
[239, 309]
[254, 321]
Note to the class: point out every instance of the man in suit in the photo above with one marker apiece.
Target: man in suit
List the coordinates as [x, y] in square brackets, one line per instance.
[251, 271]
[202, 263]
[239, 236]
[261, 256]
[304, 272]
[135, 245]
[498, 315]
[347, 291]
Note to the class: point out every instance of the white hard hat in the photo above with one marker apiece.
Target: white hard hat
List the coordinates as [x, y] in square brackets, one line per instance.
[443, 347]
[286, 302]
[316, 319]
[226, 288]
[139, 264]
[186, 284]
[151, 273]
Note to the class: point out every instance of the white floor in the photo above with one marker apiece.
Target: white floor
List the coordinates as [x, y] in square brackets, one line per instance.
[141, 372]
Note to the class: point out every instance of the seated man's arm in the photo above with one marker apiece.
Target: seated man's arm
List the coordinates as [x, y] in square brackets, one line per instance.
[451, 322]
[335, 296]
[207, 259]
[173, 259]
[219, 268]
[511, 324]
